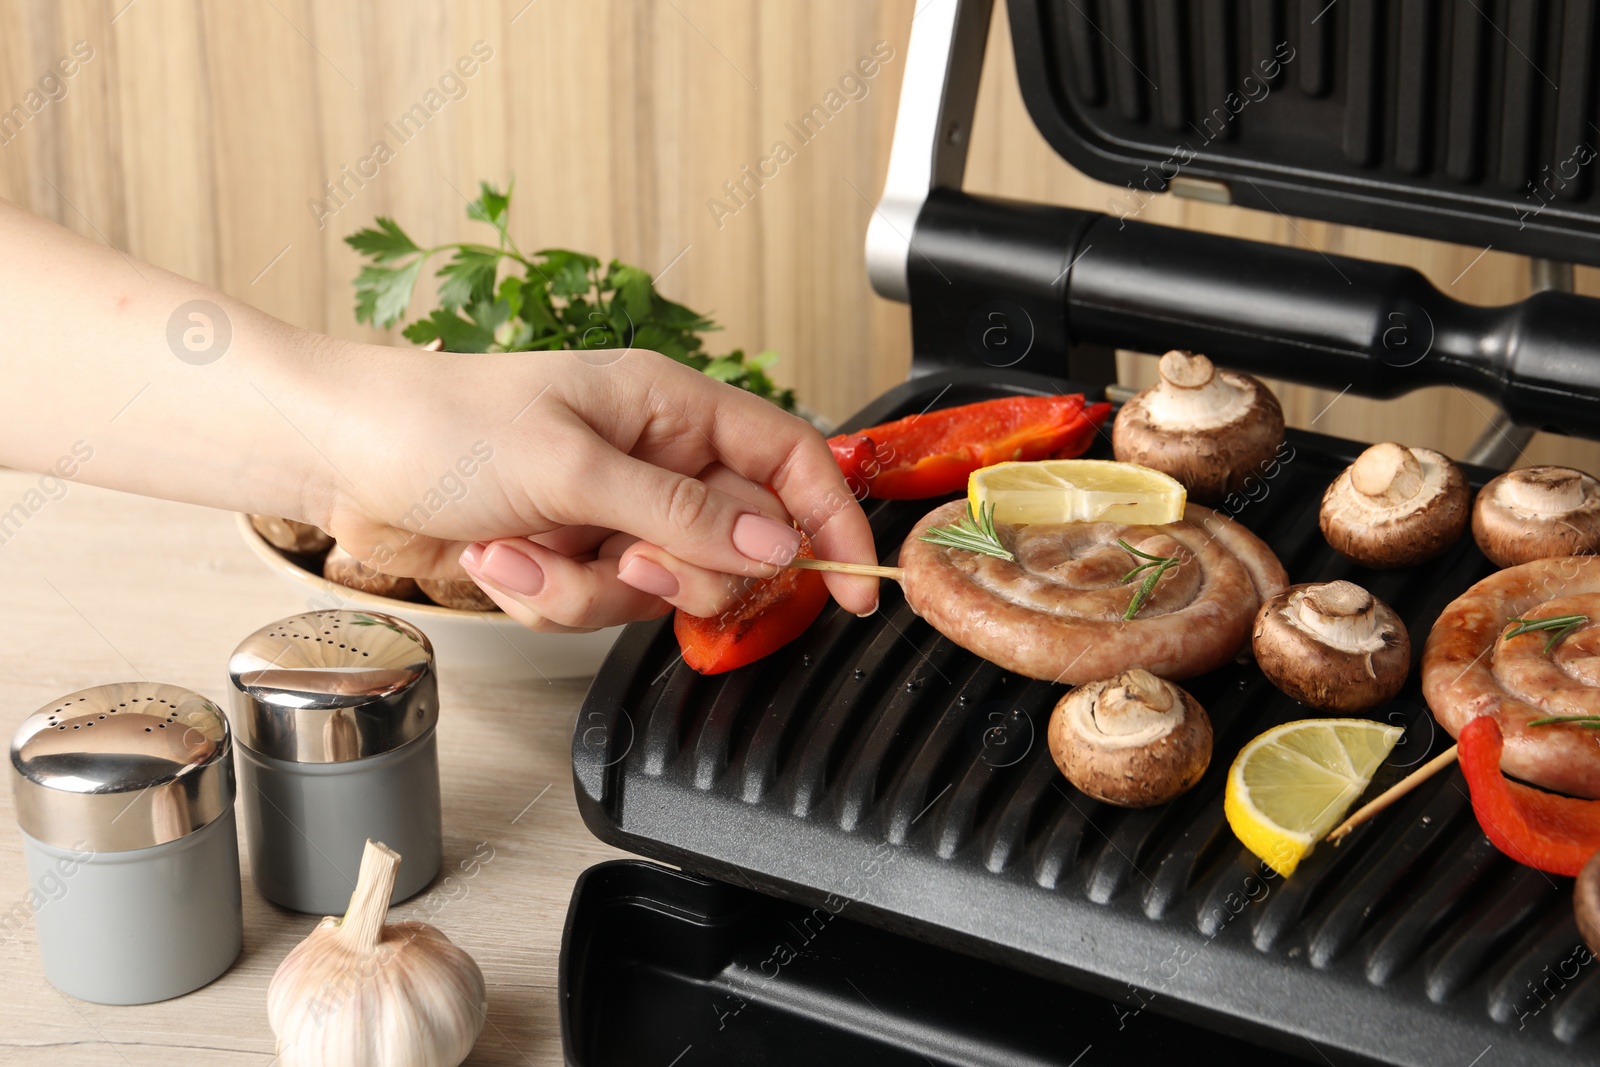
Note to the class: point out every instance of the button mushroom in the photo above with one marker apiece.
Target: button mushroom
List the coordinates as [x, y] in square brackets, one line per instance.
[1207, 428]
[340, 566]
[1586, 902]
[1334, 646]
[1133, 739]
[1396, 506]
[1537, 512]
[289, 535]
[458, 593]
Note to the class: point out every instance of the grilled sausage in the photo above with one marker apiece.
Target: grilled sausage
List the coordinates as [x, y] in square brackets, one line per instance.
[1057, 612]
[1470, 668]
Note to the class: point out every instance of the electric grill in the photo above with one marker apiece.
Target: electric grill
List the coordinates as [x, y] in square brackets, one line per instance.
[878, 858]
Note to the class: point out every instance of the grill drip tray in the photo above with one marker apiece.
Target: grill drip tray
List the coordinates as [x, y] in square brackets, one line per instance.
[874, 761]
[661, 964]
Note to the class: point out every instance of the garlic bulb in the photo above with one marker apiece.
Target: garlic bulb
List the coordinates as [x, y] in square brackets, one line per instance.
[358, 992]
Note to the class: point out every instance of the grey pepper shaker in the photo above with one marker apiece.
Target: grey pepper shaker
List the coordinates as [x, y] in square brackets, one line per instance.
[335, 713]
[124, 796]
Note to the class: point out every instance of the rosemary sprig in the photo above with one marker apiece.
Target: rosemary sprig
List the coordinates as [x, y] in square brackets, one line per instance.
[1157, 566]
[1588, 722]
[1560, 625]
[975, 533]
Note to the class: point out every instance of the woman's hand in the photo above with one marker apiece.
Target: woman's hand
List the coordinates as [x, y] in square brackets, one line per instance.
[580, 489]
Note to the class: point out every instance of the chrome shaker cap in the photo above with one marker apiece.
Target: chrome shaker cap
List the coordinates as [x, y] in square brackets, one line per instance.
[333, 686]
[123, 766]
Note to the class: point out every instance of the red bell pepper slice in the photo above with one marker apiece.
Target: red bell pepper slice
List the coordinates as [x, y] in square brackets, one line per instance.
[856, 455]
[769, 614]
[1548, 831]
[931, 454]
[1082, 436]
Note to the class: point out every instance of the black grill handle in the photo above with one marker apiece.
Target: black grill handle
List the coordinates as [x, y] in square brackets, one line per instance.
[1331, 321]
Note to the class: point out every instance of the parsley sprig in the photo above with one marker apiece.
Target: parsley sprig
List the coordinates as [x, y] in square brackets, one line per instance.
[975, 533]
[1156, 567]
[1558, 625]
[554, 299]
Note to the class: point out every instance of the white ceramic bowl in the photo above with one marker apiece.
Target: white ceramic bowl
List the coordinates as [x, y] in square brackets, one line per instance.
[482, 645]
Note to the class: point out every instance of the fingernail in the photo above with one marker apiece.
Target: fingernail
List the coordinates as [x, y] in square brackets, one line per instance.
[510, 570]
[472, 556]
[647, 576]
[765, 540]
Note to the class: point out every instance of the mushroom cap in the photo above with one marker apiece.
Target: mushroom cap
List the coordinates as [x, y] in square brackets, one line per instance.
[1396, 506]
[1586, 902]
[1133, 739]
[1208, 428]
[1537, 512]
[340, 566]
[1333, 645]
[459, 593]
[287, 535]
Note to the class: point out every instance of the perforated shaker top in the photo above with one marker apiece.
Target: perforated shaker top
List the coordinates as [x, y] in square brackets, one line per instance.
[333, 686]
[122, 766]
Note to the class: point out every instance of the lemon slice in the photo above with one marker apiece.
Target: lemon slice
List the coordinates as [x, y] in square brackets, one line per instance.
[1076, 490]
[1293, 784]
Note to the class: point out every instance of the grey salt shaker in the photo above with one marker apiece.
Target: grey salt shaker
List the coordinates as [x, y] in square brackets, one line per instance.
[124, 795]
[334, 713]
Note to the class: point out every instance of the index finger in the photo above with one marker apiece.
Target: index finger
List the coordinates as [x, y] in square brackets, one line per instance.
[768, 446]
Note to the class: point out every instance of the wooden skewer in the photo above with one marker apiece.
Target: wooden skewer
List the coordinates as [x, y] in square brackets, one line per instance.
[871, 570]
[1395, 792]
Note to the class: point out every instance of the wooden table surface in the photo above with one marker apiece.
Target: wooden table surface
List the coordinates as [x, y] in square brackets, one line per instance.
[101, 587]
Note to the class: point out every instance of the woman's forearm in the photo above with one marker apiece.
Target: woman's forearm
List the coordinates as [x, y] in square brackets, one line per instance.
[121, 374]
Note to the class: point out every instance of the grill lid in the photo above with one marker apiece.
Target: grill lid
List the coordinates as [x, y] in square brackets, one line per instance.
[1471, 123]
[1414, 942]
[1052, 289]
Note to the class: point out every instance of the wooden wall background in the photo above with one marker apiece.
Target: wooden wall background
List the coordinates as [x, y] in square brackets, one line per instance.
[200, 129]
